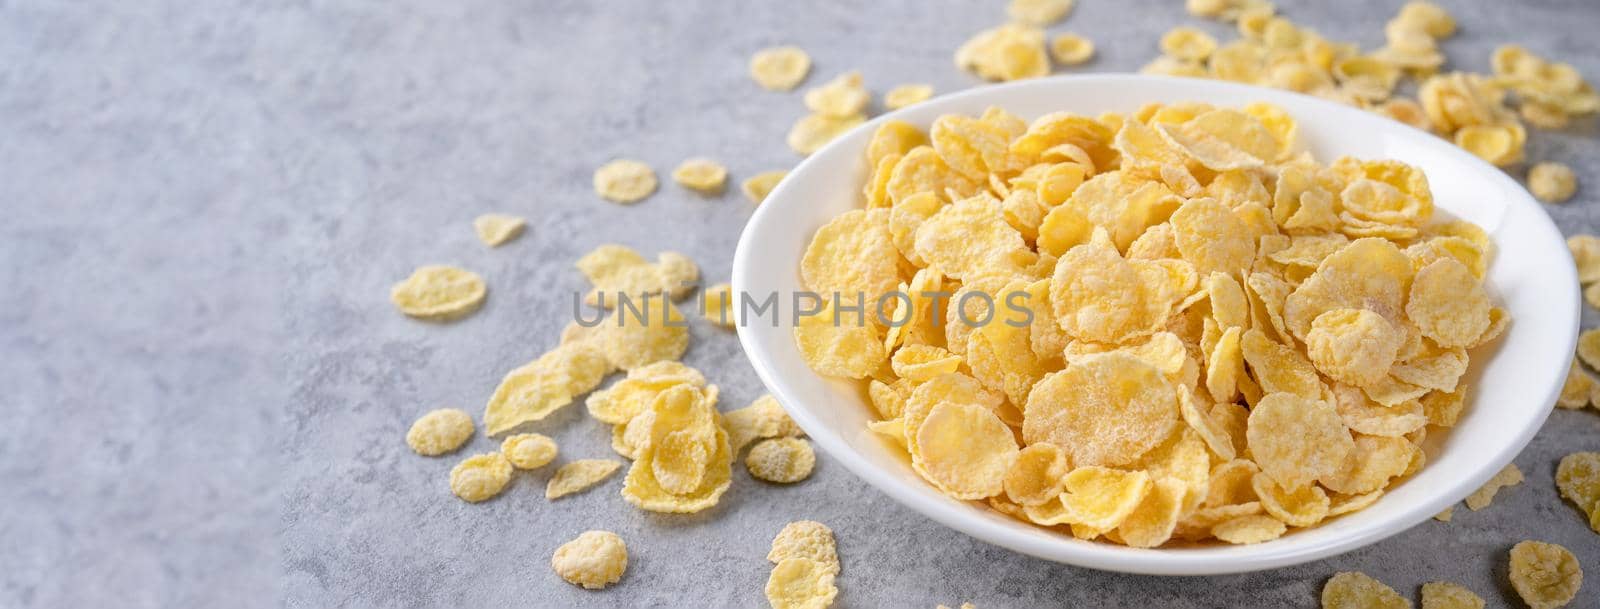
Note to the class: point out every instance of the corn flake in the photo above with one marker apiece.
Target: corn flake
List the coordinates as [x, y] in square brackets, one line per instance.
[806, 539]
[578, 476]
[1586, 254]
[617, 271]
[703, 175]
[439, 432]
[780, 68]
[1545, 575]
[1039, 12]
[906, 95]
[1071, 49]
[439, 293]
[814, 131]
[529, 450]
[842, 97]
[624, 181]
[1301, 507]
[594, 560]
[496, 229]
[1035, 476]
[1009, 52]
[800, 583]
[1102, 410]
[851, 257]
[763, 418]
[480, 477]
[1445, 595]
[1507, 476]
[1552, 182]
[1349, 590]
[782, 460]
[1249, 529]
[757, 187]
[537, 389]
[685, 465]
[1578, 479]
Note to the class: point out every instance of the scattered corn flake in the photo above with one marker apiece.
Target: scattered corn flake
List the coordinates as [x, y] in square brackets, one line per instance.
[780, 68]
[1591, 295]
[800, 583]
[578, 476]
[496, 229]
[594, 560]
[1353, 590]
[1586, 255]
[1008, 52]
[630, 396]
[814, 131]
[763, 418]
[781, 460]
[718, 305]
[906, 95]
[439, 432]
[1039, 12]
[703, 175]
[1578, 479]
[1446, 595]
[1507, 476]
[529, 450]
[1188, 43]
[1545, 575]
[1589, 348]
[1552, 182]
[534, 390]
[1071, 49]
[680, 460]
[631, 338]
[688, 473]
[1500, 145]
[480, 477]
[757, 187]
[624, 181]
[806, 539]
[842, 97]
[1445, 515]
[617, 271]
[439, 293]
[1249, 529]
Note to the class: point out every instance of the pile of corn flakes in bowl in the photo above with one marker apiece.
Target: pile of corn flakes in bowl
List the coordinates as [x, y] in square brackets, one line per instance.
[1169, 326]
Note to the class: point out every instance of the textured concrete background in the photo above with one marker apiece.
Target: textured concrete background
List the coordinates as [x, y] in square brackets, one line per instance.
[205, 387]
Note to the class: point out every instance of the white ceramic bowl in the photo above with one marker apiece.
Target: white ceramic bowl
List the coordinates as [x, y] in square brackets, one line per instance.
[1514, 382]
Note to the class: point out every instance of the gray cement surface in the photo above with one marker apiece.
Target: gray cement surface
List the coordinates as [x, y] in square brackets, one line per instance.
[205, 387]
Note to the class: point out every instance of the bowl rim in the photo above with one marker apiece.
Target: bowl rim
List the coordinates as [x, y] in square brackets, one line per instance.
[959, 515]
